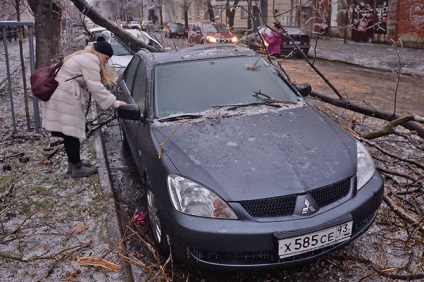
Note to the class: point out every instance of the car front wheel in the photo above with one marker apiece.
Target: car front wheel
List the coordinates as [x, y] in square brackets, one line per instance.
[155, 224]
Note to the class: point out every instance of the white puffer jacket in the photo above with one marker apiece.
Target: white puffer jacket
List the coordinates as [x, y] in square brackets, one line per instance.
[64, 112]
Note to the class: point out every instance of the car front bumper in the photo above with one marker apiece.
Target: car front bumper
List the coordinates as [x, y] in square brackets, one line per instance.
[247, 244]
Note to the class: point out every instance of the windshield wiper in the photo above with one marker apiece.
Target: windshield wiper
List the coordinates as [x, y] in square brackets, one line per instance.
[268, 98]
[179, 117]
[236, 106]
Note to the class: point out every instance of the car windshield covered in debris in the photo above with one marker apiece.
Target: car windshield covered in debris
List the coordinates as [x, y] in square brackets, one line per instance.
[240, 171]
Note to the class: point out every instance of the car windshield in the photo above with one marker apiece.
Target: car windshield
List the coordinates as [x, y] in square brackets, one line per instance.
[119, 50]
[215, 28]
[176, 25]
[196, 86]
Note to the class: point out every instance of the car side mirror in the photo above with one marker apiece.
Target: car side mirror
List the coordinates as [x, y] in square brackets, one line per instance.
[305, 89]
[129, 111]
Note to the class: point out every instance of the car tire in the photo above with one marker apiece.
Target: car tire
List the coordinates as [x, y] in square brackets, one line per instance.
[155, 224]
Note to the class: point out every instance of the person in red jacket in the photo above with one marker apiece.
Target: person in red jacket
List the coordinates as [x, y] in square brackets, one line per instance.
[274, 40]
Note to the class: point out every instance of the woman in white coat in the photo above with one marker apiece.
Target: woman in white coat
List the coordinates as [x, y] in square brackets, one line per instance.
[63, 114]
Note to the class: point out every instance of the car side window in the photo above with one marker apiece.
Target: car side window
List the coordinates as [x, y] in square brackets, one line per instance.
[130, 72]
[139, 89]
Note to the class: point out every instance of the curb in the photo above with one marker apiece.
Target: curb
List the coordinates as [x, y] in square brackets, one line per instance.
[113, 223]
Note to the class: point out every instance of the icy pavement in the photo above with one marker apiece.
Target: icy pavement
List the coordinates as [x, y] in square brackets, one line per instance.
[371, 55]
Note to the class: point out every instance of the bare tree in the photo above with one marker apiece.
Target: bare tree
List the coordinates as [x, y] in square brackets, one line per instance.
[231, 12]
[210, 11]
[185, 6]
[47, 16]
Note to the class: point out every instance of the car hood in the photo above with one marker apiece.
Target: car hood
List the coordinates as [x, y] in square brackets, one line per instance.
[220, 34]
[260, 156]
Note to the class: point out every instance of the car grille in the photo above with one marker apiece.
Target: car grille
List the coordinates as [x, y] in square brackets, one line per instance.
[270, 256]
[284, 206]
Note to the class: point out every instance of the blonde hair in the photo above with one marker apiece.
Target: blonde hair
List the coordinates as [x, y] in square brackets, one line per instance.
[107, 75]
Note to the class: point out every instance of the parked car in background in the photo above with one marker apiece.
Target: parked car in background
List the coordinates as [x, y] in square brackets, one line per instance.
[147, 38]
[209, 33]
[302, 40]
[94, 33]
[174, 30]
[122, 55]
[123, 24]
[134, 25]
[147, 26]
[240, 171]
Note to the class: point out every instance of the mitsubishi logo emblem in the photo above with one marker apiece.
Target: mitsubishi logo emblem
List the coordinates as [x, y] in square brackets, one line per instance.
[308, 207]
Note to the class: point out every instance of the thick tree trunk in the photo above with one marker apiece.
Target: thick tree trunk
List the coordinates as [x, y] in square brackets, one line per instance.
[47, 30]
[210, 12]
[231, 13]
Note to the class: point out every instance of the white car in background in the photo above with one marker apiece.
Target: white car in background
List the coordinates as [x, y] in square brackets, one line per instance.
[147, 38]
[122, 54]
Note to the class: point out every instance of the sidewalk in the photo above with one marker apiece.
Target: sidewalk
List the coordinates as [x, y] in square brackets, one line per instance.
[371, 55]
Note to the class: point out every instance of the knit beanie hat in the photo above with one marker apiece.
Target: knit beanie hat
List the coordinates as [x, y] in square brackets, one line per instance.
[104, 48]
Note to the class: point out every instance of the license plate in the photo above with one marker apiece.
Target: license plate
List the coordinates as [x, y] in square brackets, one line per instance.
[317, 240]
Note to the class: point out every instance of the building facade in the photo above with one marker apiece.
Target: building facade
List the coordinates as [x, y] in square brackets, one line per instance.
[379, 21]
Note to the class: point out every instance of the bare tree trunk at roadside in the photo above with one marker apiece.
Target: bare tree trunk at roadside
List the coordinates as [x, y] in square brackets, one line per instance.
[47, 16]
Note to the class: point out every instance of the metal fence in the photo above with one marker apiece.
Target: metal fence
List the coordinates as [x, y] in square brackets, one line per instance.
[9, 31]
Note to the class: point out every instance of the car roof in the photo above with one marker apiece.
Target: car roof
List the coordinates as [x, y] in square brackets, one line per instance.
[196, 53]
[293, 29]
[94, 29]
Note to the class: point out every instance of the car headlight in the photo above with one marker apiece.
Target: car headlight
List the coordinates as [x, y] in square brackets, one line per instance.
[366, 168]
[211, 39]
[192, 198]
[233, 40]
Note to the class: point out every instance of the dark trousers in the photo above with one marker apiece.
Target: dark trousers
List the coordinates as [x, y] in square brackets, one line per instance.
[72, 147]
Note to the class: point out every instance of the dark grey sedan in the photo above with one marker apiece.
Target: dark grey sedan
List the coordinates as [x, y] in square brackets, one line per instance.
[239, 170]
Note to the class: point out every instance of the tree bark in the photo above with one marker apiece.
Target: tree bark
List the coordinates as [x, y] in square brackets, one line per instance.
[231, 13]
[47, 16]
[210, 11]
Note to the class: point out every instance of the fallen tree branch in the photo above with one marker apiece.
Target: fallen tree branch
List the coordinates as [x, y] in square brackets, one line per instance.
[417, 164]
[403, 214]
[377, 268]
[346, 104]
[391, 126]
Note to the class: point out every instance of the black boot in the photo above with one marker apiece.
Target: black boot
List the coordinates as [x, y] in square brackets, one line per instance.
[79, 170]
[86, 164]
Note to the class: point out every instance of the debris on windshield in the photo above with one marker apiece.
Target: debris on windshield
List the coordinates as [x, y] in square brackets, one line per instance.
[254, 66]
[270, 99]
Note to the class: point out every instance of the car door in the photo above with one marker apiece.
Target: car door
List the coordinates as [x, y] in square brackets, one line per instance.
[131, 89]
